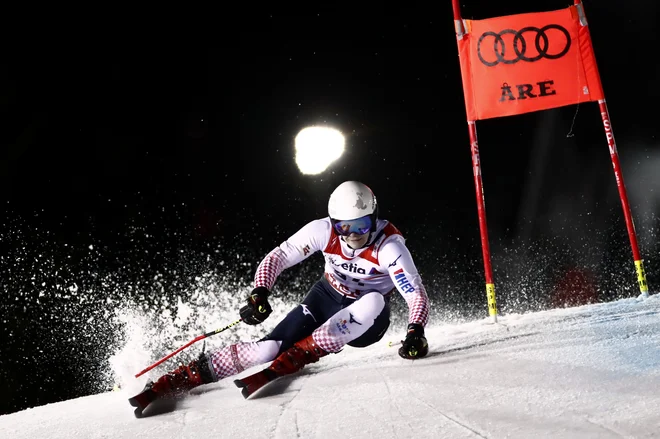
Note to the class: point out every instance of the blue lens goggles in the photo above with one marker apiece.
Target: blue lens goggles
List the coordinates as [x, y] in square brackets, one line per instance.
[358, 226]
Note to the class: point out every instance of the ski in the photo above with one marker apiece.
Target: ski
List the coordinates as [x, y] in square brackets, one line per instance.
[251, 383]
[143, 399]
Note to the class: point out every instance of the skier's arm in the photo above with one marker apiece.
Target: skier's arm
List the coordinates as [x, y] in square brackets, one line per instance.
[395, 255]
[402, 269]
[308, 240]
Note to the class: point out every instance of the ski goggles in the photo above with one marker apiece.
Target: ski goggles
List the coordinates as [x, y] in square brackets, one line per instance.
[359, 226]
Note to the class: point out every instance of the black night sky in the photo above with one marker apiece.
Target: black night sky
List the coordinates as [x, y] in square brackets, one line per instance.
[185, 144]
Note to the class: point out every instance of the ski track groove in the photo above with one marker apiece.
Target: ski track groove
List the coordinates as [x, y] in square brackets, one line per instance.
[604, 427]
[295, 419]
[393, 401]
[285, 406]
[438, 411]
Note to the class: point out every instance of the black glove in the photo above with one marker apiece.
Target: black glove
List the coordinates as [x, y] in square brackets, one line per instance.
[415, 344]
[257, 309]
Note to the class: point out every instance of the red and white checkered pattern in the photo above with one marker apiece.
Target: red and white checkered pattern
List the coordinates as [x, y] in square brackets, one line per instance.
[326, 338]
[418, 305]
[235, 358]
[270, 268]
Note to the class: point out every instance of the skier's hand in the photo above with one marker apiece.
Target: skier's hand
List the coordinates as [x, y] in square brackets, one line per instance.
[415, 344]
[257, 309]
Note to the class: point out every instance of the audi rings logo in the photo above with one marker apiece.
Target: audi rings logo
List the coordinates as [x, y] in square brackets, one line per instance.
[520, 45]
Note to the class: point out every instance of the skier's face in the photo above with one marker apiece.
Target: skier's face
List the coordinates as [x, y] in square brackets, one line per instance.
[356, 241]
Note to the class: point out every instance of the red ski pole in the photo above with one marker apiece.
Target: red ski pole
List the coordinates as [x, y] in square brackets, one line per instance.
[195, 340]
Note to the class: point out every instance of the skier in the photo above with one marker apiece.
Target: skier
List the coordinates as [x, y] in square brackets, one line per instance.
[366, 260]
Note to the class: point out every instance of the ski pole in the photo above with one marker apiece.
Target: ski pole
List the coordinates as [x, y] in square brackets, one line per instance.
[195, 340]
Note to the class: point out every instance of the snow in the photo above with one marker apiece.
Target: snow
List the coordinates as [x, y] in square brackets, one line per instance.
[585, 372]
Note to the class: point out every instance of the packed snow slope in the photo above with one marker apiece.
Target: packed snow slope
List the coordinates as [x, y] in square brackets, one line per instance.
[586, 372]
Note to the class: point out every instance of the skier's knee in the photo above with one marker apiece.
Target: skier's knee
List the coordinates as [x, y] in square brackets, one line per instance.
[371, 304]
[267, 350]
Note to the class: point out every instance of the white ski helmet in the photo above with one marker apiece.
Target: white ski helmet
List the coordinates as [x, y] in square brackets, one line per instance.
[352, 200]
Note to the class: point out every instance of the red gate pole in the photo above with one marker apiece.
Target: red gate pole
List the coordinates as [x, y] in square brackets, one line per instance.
[618, 175]
[479, 189]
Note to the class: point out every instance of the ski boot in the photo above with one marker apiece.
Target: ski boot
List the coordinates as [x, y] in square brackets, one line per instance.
[303, 352]
[173, 384]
